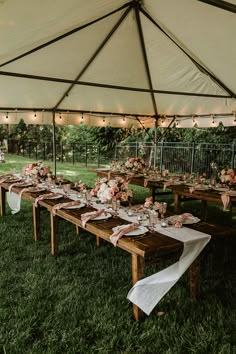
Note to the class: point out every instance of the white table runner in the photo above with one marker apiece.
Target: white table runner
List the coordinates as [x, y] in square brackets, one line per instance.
[146, 293]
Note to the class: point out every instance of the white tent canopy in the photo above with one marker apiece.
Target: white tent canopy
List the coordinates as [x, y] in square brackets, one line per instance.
[113, 61]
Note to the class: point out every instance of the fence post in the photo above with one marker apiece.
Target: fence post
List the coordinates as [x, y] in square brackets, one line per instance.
[73, 153]
[115, 157]
[36, 152]
[86, 154]
[23, 149]
[136, 149]
[99, 151]
[52, 149]
[161, 154]
[192, 158]
[44, 151]
[233, 155]
[29, 148]
[61, 152]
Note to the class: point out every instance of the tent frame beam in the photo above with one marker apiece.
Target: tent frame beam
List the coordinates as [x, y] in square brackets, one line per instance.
[64, 35]
[95, 84]
[146, 64]
[194, 61]
[106, 39]
[225, 5]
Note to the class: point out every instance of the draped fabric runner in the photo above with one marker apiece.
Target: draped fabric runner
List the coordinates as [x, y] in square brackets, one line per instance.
[146, 293]
[3, 179]
[122, 231]
[91, 215]
[65, 205]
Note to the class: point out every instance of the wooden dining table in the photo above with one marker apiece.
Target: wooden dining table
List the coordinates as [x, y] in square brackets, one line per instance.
[182, 193]
[148, 249]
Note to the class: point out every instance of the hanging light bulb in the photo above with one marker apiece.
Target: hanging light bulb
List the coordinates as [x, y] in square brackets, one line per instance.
[35, 114]
[123, 119]
[213, 120]
[7, 115]
[82, 116]
[194, 121]
[60, 116]
[235, 117]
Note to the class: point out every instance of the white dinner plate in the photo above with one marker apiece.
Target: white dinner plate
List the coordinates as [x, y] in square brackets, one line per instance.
[37, 189]
[23, 185]
[102, 216]
[220, 189]
[56, 196]
[188, 221]
[139, 231]
[78, 206]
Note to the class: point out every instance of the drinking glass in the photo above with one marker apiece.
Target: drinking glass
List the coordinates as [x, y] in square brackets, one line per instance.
[88, 198]
[116, 205]
[153, 219]
[66, 189]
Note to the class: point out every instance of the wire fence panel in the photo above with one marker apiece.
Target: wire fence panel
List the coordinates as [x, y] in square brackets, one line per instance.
[177, 157]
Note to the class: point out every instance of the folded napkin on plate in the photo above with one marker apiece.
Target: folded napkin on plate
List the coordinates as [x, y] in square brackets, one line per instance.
[42, 197]
[65, 205]
[3, 179]
[197, 187]
[178, 222]
[225, 197]
[17, 184]
[122, 231]
[90, 215]
[28, 189]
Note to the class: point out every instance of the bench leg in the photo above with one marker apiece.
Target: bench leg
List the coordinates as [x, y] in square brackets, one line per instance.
[54, 235]
[36, 221]
[194, 278]
[137, 274]
[2, 201]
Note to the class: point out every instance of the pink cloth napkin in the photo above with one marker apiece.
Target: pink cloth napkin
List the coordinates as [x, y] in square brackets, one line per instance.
[225, 197]
[28, 189]
[17, 184]
[3, 179]
[197, 187]
[120, 232]
[178, 222]
[42, 197]
[168, 183]
[65, 205]
[91, 215]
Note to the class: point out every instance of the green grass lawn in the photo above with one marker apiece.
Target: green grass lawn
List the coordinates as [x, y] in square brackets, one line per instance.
[76, 302]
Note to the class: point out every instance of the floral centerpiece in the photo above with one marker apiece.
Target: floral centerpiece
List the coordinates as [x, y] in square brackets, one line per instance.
[117, 165]
[37, 170]
[150, 205]
[107, 189]
[135, 165]
[227, 177]
[80, 185]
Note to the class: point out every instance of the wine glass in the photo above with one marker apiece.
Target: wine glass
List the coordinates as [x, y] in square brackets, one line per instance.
[163, 209]
[88, 197]
[59, 179]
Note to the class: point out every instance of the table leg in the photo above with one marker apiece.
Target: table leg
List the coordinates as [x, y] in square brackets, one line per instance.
[137, 274]
[77, 229]
[2, 201]
[177, 203]
[36, 220]
[54, 234]
[203, 210]
[194, 278]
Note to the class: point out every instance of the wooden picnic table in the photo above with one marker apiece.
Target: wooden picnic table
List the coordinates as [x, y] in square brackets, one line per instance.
[152, 248]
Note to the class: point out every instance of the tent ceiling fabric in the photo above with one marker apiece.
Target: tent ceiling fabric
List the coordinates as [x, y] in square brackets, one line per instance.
[88, 56]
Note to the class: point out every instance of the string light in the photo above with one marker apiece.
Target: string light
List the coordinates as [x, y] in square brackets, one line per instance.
[194, 121]
[213, 120]
[7, 116]
[82, 116]
[60, 116]
[124, 119]
[235, 117]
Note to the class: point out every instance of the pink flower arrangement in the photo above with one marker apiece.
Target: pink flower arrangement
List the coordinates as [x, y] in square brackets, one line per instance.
[80, 185]
[116, 188]
[37, 169]
[149, 204]
[135, 164]
[228, 177]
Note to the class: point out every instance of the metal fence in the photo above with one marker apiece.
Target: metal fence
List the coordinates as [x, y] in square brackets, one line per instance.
[177, 157]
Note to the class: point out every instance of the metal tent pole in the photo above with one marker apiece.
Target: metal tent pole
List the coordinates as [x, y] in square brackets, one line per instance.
[54, 144]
